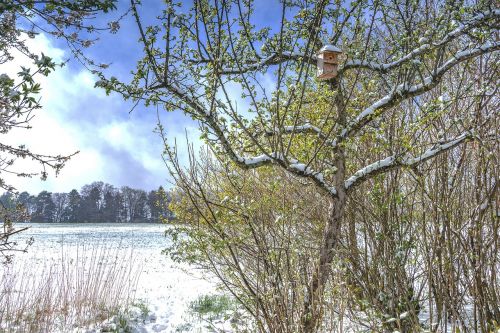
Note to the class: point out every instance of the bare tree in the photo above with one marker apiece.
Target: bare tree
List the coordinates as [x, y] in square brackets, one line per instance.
[61, 201]
[135, 204]
[252, 89]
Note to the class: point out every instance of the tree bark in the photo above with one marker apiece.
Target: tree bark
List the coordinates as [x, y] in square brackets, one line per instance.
[312, 313]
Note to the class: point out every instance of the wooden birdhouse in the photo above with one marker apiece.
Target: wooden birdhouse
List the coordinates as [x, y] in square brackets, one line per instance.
[328, 62]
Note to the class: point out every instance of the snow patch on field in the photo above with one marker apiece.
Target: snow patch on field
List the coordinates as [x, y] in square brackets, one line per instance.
[164, 289]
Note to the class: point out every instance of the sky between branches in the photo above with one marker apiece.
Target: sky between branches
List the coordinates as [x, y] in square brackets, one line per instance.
[116, 146]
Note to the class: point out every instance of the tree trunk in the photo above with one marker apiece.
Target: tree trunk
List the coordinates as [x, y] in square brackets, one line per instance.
[312, 312]
[313, 309]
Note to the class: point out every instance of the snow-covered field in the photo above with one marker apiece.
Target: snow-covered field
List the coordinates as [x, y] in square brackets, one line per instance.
[165, 288]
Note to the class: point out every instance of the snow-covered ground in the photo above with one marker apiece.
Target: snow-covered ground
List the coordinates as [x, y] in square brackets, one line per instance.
[165, 288]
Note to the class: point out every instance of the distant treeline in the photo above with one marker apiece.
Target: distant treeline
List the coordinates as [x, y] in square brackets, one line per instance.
[96, 202]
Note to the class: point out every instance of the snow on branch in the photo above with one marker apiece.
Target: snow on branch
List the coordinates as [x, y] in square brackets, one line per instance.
[394, 161]
[292, 165]
[387, 66]
[303, 170]
[306, 128]
[255, 162]
[279, 57]
[461, 30]
[404, 91]
[210, 120]
[273, 59]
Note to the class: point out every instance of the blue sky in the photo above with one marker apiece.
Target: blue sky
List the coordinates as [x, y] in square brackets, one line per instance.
[116, 146]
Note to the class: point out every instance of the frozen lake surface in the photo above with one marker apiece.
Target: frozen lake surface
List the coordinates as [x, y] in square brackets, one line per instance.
[164, 286]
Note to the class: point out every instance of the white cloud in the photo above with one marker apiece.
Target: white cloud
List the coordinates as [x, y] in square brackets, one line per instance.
[75, 116]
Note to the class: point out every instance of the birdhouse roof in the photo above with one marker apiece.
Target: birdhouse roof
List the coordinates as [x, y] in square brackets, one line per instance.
[330, 48]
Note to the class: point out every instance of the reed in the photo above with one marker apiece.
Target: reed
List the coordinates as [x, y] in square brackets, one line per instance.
[81, 288]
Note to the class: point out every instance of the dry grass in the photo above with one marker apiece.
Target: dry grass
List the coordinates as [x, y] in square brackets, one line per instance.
[82, 287]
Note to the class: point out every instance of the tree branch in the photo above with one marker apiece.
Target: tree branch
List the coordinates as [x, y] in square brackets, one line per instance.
[462, 30]
[306, 128]
[277, 58]
[403, 92]
[292, 165]
[259, 63]
[395, 161]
